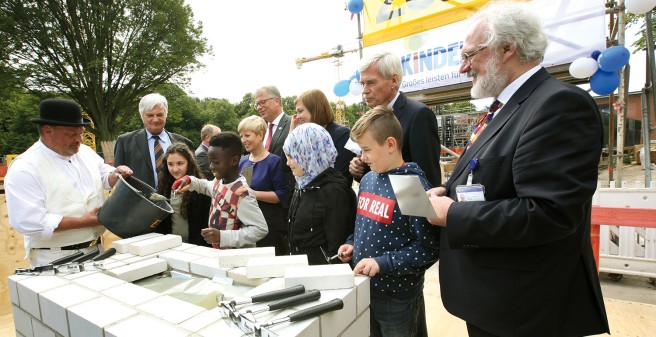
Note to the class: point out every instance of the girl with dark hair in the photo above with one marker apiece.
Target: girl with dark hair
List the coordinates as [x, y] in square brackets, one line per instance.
[191, 208]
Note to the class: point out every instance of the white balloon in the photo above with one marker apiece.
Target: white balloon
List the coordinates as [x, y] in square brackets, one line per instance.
[583, 67]
[639, 6]
[355, 88]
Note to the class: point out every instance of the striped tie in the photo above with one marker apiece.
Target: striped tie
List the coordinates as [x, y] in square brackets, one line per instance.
[483, 121]
[159, 154]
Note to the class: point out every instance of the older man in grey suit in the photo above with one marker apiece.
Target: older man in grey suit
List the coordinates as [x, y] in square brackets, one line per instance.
[142, 150]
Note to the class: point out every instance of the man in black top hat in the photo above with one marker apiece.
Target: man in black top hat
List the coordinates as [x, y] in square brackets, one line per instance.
[55, 188]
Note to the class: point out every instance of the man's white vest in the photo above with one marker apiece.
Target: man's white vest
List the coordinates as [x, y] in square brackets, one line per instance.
[63, 199]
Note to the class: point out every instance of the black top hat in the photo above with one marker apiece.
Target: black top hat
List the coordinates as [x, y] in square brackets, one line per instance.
[60, 112]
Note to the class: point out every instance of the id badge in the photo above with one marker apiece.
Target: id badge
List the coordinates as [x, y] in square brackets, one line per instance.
[466, 193]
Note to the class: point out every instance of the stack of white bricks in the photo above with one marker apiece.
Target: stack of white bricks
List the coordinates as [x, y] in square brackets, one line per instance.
[106, 304]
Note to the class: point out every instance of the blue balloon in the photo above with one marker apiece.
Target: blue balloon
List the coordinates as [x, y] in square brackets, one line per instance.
[595, 54]
[357, 75]
[355, 6]
[604, 82]
[352, 77]
[341, 88]
[614, 58]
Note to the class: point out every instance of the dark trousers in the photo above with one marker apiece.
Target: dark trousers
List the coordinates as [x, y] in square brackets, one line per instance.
[398, 318]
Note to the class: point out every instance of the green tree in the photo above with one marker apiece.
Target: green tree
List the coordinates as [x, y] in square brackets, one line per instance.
[632, 19]
[16, 109]
[219, 112]
[104, 54]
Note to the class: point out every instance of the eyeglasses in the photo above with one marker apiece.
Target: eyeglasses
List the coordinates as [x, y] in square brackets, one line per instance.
[262, 102]
[467, 57]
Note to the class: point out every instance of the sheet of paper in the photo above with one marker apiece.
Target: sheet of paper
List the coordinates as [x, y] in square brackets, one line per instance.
[352, 146]
[411, 196]
[247, 172]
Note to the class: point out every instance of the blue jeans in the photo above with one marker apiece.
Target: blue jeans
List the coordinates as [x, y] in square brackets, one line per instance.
[398, 318]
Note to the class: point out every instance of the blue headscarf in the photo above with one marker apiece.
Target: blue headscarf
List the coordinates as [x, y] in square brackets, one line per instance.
[313, 150]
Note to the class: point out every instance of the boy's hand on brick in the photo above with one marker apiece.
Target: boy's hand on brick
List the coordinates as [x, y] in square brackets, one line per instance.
[345, 252]
[368, 267]
[211, 235]
[181, 185]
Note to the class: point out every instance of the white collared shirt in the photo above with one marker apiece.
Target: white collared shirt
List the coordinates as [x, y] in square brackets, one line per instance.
[275, 123]
[512, 88]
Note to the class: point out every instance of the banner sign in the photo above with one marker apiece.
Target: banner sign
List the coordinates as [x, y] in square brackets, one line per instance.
[432, 59]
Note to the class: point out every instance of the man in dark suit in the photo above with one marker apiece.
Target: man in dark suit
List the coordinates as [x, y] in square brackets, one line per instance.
[137, 149]
[381, 77]
[206, 133]
[268, 104]
[516, 259]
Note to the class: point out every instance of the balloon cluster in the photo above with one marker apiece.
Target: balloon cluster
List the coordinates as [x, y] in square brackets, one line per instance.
[352, 85]
[602, 68]
[639, 6]
[355, 6]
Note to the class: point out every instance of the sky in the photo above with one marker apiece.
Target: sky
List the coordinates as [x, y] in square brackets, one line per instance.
[255, 43]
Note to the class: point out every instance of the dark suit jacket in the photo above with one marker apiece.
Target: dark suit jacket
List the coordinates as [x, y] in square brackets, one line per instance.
[521, 263]
[203, 161]
[131, 149]
[279, 136]
[421, 141]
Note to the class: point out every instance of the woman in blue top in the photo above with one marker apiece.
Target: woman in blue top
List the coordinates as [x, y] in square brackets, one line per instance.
[268, 181]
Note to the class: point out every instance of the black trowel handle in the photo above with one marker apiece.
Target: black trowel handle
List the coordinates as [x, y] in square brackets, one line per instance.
[278, 294]
[309, 296]
[335, 304]
[106, 254]
[67, 259]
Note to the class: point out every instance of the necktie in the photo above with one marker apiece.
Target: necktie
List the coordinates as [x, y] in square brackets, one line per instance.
[268, 141]
[483, 121]
[159, 154]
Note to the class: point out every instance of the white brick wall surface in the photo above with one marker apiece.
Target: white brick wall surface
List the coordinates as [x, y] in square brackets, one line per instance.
[29, 289]
[208, 267]
[154, 245]
[179, 260]
[230, 258]
[322, 277]
[88, 319]
[170, 309]
[258, 267]
[142, 326]
[130, 294]
[55, 301]
[122, 246]
[139, 270]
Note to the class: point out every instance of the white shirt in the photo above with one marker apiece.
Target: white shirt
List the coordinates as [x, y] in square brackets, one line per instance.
[164, 142]
[26, 193]
[275, 123]
[512, 88]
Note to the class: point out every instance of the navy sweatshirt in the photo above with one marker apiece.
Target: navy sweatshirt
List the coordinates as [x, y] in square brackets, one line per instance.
[403, 246]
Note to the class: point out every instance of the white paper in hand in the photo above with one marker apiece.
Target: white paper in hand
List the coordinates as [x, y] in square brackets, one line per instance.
[352, 146]
[411, 196]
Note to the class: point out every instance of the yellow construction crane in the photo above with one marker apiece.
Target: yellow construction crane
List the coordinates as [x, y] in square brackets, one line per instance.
[336, 52]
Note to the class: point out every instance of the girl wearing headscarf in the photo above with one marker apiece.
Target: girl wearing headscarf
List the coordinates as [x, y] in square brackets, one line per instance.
[322, 210]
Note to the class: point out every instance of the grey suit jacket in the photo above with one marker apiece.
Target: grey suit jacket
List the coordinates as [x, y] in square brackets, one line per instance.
[203, 161]
[131, 149]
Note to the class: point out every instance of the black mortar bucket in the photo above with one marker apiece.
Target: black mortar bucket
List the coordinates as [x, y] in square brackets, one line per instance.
[129, 211]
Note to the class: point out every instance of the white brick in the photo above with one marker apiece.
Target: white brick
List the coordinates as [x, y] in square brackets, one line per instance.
[142, 325]
[22, 321]
[40, 330]
[139, 270]
[184, 246]
[114, 264]
[221, 328]
[80, 274]
[170, 309]
[258, 267]
[208, 267]
[122, 246]
[138, 258]
[88, 319]
[201, 320]
[321, 277]
[55, 301]
[334, 322]
[270, 285]
[155, 245]
[12, 283]
[363, 292]
[122, 257]
[230, 258]
[360, 327]
[130, 294]
[29, 289]
[239, 276]
[98, 281]
[310, 327]
[179, 260]
[204, 251]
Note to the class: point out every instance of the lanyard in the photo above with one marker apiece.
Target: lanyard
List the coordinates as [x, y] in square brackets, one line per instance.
[473, 165]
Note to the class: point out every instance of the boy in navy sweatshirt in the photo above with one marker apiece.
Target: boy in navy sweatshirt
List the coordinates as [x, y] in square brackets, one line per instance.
[393, 249]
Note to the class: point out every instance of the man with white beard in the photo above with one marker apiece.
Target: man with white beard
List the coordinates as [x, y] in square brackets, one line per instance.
[515, 251]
